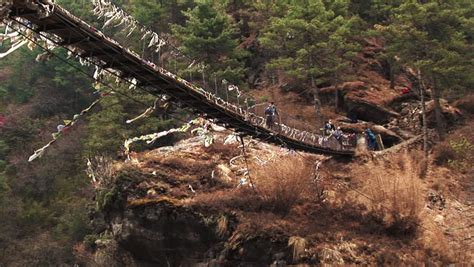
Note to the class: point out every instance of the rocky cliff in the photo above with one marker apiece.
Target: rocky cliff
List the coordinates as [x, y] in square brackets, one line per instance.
[189, 205]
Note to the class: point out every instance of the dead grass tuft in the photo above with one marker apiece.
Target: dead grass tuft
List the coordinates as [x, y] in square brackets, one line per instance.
[393, 192]
[226, 151]
[331, 256]
[189, 166]
[298, 245]
[278, 188]
[457, 152]
[284, 183]
[222, 226]
[82, 254]
[244, 199]
[443, 153]
[152, 201]
[338, 253]
[434, 239]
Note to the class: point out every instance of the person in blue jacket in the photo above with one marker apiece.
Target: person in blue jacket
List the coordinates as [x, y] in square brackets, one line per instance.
[371, 139]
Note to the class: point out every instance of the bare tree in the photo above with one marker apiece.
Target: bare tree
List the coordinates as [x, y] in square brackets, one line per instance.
[423, 113]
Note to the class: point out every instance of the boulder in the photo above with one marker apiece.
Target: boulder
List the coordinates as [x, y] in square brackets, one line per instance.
[368, 111]
[400, 132]
[451, 114]
[389, 137]
[466, 104]
[327, 94]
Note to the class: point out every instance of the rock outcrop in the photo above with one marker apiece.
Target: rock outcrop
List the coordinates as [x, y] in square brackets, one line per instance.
[189, 205]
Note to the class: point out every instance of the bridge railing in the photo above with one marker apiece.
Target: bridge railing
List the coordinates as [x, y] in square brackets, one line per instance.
[171, 58]
[195, 75]
[168, 56]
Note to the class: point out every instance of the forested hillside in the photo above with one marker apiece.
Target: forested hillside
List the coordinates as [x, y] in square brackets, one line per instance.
[302, 54]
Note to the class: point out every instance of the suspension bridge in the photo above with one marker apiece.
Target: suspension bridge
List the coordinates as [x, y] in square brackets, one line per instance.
[44, 20]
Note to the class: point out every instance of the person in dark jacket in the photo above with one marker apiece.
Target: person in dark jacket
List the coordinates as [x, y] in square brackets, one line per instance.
[270, 113]
[329, 128]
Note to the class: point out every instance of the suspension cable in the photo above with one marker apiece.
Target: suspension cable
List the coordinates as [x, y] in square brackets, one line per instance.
[29, 26]
[179, 119]
[88, 75]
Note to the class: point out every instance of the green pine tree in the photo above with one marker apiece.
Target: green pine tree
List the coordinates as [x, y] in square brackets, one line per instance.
[312, 43]
[435, 37]
[159, 15]
[210, 37]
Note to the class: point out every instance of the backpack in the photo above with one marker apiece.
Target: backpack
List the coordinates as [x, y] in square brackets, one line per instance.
[268, 111]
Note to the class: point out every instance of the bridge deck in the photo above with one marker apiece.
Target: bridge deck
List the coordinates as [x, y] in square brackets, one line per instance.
[74, 32]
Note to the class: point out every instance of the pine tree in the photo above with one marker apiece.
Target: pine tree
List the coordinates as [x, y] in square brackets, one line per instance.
[210, 37]
[312, 43]
[435, 37]
[160, 14]
[374, 11]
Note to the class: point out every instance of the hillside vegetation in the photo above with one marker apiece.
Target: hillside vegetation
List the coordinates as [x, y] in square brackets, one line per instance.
[317, 60]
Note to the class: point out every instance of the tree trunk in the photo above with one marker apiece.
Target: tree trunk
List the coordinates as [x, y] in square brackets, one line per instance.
[440, 123]
[317, 101]
[175, 12]
[392, 74]
[423, 114]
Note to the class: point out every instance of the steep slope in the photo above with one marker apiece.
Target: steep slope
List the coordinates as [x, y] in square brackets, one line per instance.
[367, 97]
[188, 205]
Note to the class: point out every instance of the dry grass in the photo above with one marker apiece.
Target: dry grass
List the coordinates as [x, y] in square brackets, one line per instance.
[434, 239]
[393, 190]
[222, 226]
[285, 183]
[443, 153]
[331, 256]
[457, 151]
[226, 151]
[278, 188]
[83, 255]
[152, 201]
[243, 199]
[337, 253]
[198, 169]
[298, 245]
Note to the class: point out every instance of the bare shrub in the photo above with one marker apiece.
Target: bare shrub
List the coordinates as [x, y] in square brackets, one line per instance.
[456, 153]
[284, 183]
[393, 191]
[102, 172]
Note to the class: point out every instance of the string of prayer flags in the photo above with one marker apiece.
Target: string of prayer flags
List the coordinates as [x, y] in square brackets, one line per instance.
[62, 128]
[147, 112]
[116, 17]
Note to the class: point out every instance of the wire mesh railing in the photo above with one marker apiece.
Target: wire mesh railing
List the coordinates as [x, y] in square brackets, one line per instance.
[160, 53]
